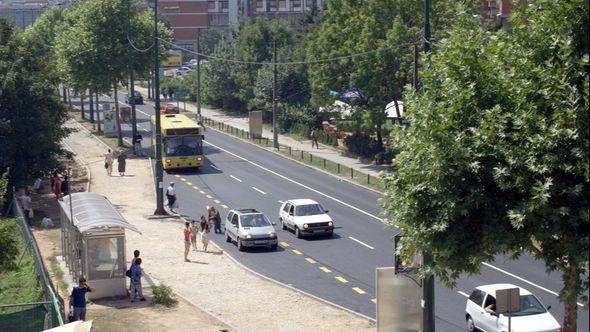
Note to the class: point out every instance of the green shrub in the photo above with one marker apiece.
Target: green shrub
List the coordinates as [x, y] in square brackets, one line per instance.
[8, 244]
[163, 295]
[361, 144]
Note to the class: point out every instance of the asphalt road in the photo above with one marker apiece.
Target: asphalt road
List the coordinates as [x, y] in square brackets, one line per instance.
[340, 269]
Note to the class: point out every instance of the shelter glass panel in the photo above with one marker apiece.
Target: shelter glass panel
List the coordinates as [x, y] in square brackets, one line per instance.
[106, 258]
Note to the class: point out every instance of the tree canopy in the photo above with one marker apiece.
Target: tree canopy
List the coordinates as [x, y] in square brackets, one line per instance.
[495, 160]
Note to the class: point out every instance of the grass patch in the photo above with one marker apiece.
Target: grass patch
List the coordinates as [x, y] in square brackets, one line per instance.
[58, 274]
[163, 295]
[20, 285]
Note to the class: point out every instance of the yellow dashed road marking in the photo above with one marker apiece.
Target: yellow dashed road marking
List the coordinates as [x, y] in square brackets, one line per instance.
[342, 280]
[284, 244]
[297, 252]
[374, 301]
[177, 175]
[358, 290]
[209, 196]
[202, 192]
[310, 260]
[325, 269]
[224, 206]
[196, 188]
[216, 201]
[182, 179]
[189, 183]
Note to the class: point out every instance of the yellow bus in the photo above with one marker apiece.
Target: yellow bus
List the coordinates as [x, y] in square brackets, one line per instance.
[182, 142]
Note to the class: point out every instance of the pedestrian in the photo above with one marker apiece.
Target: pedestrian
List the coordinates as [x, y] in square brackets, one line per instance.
[78, 299]
[26, 204]
[57, 188]
[135, 257]
[108, 162]
[121, 163]
[314, 138]
[171, 93]
[137, 144]
[187, 242]
[164, 93]
[171, 195]
[194, 231]
[65, 186]
[53, 177]
[136, 274]
[205, 229]
[214, 215]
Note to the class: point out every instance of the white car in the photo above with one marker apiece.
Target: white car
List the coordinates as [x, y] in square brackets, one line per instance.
[305, 217]
[532, 317]
[183, 70]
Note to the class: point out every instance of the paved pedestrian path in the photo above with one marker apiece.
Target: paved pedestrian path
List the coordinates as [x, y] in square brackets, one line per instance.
[324, 151]
[211, 281]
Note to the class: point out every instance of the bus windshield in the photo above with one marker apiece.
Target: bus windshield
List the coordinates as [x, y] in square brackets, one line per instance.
[183, 146]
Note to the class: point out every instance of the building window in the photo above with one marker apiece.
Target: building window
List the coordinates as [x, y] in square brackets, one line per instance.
[296, 4]
[273, 5]
[259, 5]
[212, 6]
[282, 5]
[171, 9]
[224, 4]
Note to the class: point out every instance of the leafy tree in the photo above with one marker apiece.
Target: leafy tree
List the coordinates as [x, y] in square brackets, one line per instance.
[31, 115]
[495, 160]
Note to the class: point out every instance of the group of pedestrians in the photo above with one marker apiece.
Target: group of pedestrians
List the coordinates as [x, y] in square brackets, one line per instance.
[202, 228]
[60, 184]
[109, 159]
[168, 93]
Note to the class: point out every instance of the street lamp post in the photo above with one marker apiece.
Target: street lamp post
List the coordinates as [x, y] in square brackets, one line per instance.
[131, 78]
[159, 171]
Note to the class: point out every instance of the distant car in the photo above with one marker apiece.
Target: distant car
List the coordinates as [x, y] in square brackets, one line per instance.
[138, 98]
[192, 61]
[305, 217]
[169, 109]
[532, 317]
[250, 228]
[183, 70]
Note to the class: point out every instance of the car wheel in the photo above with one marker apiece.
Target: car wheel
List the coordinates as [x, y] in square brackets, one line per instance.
[283, 226]
[240, 245]
[470, 324]
[297, 232]
[227, 238]
[330, 234]
[273, 247]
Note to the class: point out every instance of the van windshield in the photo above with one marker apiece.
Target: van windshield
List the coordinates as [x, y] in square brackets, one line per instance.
[254, 220]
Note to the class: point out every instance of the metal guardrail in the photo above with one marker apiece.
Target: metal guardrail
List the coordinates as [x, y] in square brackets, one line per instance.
[53, 302]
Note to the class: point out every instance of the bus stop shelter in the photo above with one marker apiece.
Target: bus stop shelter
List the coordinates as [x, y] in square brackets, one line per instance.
[93, 242]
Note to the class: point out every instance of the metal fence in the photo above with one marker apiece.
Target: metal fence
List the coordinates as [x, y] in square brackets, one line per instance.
[24, 317]
[53, 306]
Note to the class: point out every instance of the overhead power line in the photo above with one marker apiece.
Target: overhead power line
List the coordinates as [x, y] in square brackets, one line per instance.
[138, 49]
[212, 57]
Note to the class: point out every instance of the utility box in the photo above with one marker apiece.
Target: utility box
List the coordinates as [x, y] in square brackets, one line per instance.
[255, 124]
[109, 121]
[398, 301]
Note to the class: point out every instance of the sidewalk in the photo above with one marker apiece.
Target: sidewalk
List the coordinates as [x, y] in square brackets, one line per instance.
[325, 151]
[211, 282]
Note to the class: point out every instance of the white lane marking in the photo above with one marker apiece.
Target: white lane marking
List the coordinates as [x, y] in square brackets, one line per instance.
[356, 209]
[364, 244]
[463, 293]
[258, 190]
[295, 182]
[281, 202]
[524, 280]
[142, 112]
[216, 168]
[144, 129]
[235, 178]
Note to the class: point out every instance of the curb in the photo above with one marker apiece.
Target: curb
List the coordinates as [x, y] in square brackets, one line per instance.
[337, 306]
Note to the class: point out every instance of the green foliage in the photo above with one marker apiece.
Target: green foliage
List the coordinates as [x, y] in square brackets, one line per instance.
[8, 244]
[496, 156]
[31, 116]
[297, 118]
[164, 295]
[361, 144]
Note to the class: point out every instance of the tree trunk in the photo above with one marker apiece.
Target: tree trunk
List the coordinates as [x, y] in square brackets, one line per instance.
[65, 93]
[97, 112]
[117, 116]
[397, 112]
[91, 106]
[82, 104]
[70, 99]
[571, 281]
[149, 88]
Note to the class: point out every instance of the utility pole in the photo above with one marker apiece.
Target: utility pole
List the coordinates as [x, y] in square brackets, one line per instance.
[427, 259]
[159, 171]
[275, 130]
[198, 72]
[131, 78]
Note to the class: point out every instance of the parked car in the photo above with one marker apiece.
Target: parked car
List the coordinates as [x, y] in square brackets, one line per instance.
[138, 98]
[532, 317]
[183, 70]
[250, 228]
[305, 217]
[169, 109]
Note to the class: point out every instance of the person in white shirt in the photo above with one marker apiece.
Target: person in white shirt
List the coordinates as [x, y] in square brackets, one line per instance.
[25, 202]
[108, 161]
[171, 195]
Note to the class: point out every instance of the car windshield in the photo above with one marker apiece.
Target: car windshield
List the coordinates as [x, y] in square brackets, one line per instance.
[254, 220]
[529, 305]
[183, 146]
[309, 210]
